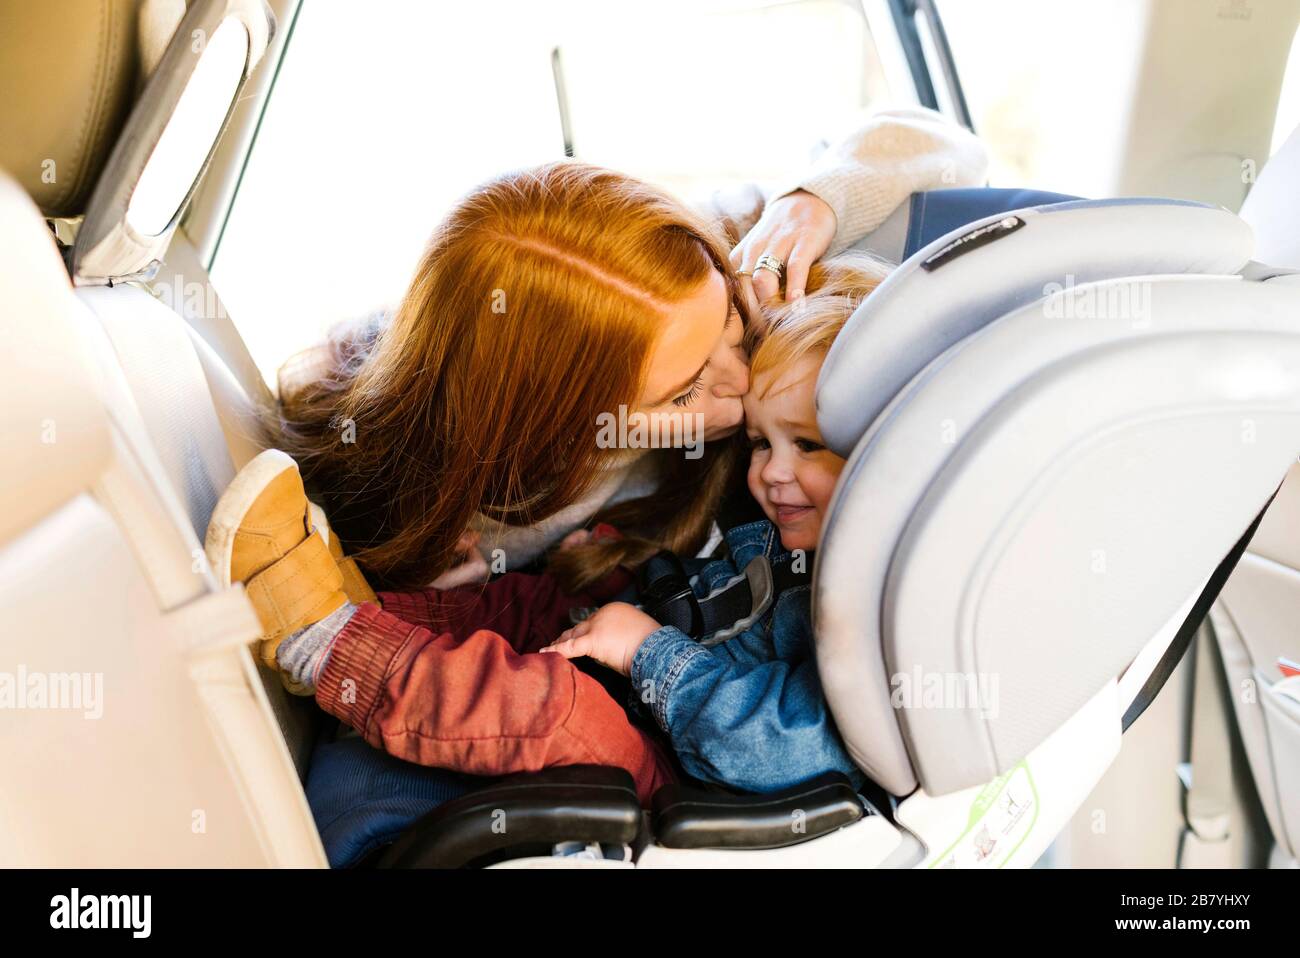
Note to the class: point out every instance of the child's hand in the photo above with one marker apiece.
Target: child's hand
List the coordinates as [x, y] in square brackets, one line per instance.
[611, 636]
[578, 537]
[603, 532]
[473, 570]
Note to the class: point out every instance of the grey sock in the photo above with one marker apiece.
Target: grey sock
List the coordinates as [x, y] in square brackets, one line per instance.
[304, 653]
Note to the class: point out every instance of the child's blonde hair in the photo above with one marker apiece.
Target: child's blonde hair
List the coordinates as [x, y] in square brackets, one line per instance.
[808, 326]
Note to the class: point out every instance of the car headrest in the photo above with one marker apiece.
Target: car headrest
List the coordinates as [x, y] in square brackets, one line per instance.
[158, 22]
[974, 274]
[54, 437]
[1272, 207]
[169, 138]
[69, 73]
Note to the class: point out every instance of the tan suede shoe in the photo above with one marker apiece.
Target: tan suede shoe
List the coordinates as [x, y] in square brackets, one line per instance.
[262, 535]
[354, 580]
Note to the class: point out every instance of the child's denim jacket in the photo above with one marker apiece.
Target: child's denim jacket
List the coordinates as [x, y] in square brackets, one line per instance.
[749, 712]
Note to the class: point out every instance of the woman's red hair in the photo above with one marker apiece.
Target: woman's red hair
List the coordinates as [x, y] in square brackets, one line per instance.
[533, 310]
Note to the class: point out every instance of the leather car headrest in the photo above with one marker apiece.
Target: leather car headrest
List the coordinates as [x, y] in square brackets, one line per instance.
[69, 71]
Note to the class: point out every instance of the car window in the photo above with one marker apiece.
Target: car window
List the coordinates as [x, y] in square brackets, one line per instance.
[1051, 113]
[382, 115]
[1288, 104]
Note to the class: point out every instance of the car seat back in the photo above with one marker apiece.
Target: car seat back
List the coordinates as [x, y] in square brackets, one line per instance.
[172, 455]
[179, 385]
[199, 419]
[137, 732]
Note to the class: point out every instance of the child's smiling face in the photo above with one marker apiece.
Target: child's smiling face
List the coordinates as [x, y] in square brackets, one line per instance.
[791, 473]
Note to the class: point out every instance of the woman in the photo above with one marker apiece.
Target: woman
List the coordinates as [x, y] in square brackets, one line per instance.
[392, 431]
[547, 300]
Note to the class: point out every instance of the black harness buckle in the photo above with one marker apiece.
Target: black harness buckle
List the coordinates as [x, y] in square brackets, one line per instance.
[666, 594]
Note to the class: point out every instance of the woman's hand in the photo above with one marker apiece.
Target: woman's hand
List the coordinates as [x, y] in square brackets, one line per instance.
[797, 229]
[611, 636]
[472, 570]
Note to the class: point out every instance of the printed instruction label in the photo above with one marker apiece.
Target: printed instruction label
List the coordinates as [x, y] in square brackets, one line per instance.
[1001, 817]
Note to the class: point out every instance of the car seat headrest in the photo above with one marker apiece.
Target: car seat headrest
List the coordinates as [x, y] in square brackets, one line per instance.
[168, 139]
[969, 277]
[1037, 506]
[69, 72]
[1272, 207]
[158, 22]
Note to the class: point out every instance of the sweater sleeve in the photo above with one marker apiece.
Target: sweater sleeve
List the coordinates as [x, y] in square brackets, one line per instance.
[894, 153]
[628, 474]
[750, 724]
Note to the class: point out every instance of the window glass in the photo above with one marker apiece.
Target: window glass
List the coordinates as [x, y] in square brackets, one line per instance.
[1288, 105]
[383, 114]
[1048, 90]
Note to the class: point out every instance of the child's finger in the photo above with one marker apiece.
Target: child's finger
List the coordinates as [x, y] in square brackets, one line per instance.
[571, 648]
[469, 572]
[575, 538]
[572, 632]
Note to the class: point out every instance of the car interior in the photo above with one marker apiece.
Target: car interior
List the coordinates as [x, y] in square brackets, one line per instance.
[1105, 514]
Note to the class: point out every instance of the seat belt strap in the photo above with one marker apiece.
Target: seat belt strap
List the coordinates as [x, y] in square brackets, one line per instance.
[1182, 641]
[1207, 778]
[215, 622]
[668, 597]
[212, 322]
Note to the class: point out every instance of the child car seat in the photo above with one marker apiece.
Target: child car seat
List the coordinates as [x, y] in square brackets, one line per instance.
[1000, 518]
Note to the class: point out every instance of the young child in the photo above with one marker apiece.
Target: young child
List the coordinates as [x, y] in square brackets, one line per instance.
[749, 712]
[445, 677]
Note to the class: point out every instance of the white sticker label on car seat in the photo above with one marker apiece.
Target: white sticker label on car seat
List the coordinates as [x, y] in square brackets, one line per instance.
[1001, 817]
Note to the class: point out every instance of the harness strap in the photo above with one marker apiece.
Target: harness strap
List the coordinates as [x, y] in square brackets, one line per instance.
[667, 596]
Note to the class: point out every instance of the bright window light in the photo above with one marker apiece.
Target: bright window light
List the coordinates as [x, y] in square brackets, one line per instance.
[188, 137]
[384, 114]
